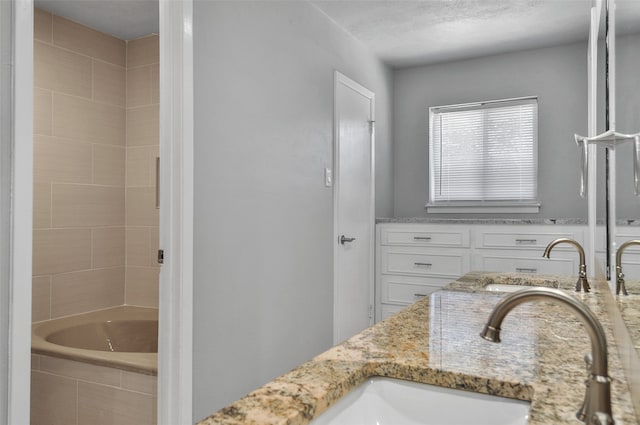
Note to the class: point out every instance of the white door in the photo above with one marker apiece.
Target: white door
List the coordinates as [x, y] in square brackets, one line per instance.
[353, 208]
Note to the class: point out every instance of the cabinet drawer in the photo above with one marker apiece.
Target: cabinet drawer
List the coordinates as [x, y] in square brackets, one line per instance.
[623, 234]
[525, 239]
[631, 268]
[405, 290]
[416, 236]
[533, 264]
[424, 263]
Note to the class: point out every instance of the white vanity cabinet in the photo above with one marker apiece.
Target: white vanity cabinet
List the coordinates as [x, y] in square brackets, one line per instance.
[631, 255]
[415, 259]
[519, 249]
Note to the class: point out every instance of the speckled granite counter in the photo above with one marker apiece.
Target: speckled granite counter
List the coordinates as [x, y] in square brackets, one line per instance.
[514, 221]
[436, 341]
[629, 307]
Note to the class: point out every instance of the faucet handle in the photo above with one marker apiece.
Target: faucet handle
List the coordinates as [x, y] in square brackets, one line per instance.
[588, 360]
[600, 418]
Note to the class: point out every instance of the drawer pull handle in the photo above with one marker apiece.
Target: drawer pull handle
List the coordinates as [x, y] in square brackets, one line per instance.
[526, 241]
[419, 295]
[423, 264]
[526, 270]
[422, 238]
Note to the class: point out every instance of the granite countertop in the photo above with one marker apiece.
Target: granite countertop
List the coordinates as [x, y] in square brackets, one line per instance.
[436, 341]
[629, 307]
[514, 221]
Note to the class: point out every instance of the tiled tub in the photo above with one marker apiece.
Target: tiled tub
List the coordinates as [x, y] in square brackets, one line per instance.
[73, 385]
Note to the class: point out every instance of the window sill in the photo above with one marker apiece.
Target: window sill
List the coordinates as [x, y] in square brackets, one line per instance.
[475, 208]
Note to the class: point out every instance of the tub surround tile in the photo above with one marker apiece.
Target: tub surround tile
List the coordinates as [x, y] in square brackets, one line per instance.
[115, 395]
[142, 286]
[42, 25]
[141, 207]
[143, 51]
[109, 83]
[155, 83]
[87, 205]
[35, 362]
[41, 205]
[138, 246]
[78, 292]
[141, 166]
[142, 216]
[53, 399]
[42, 111]
[143, 125]
[141, 383]
[109, 165]
[134, 408]
[138, 86]
[82, 87]
[436, 341]
[61, 160]
[41, 298]
[62, 70]
[154, 242]
[108, 245]
[81, 371]
[61, 250]
[87, 41]
[86, 120]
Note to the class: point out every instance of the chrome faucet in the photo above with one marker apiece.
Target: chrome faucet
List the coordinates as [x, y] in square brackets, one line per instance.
[596, 407]
[582, 272]
[620, 286]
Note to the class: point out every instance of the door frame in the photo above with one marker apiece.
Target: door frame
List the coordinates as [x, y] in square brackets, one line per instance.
[20, 214]
[341, 79]
[176, 214]
[175, 339]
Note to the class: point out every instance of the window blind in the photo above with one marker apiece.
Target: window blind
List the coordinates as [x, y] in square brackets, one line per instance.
[484, 152]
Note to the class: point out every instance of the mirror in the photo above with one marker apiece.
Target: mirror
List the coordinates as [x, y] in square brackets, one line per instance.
[628, 121]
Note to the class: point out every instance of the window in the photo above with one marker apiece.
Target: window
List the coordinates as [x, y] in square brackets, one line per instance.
[483, 157]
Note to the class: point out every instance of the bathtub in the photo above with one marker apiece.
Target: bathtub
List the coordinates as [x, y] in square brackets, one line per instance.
[122, 337]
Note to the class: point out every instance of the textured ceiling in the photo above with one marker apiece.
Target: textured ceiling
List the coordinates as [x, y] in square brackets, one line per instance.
[400, 32]
[125, 19]
[405, 33]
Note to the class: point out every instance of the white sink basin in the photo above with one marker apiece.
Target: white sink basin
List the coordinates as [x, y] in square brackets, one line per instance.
[499, 287]
[387, 401]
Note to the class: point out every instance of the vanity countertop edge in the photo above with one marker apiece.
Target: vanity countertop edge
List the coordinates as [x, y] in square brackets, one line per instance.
[540, 358]
[501, 221]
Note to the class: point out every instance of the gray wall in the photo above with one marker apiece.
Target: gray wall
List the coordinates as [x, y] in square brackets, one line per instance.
[263, 135]
[557, 75]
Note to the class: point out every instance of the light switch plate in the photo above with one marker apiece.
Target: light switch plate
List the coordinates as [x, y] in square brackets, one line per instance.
[328, 177]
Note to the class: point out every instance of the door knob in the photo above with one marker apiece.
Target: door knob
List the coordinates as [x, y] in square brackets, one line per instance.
[344, 239]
